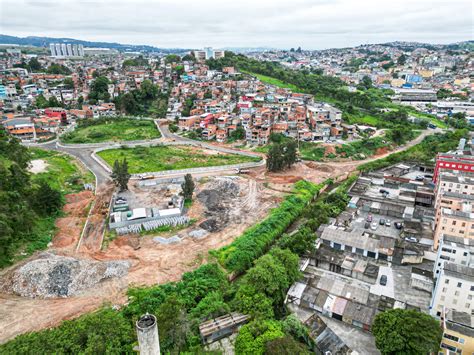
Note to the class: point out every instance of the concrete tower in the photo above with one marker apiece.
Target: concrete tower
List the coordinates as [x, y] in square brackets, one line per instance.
[147, 333]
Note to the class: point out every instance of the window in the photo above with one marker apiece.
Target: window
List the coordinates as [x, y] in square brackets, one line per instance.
[459, 284]
[442, 298]
[455, 301]
[465, 253]
[446, 281]
[444, 289]
[456, 293]
[469, 297]
[468, 305]
[450, 337]
[472, 288]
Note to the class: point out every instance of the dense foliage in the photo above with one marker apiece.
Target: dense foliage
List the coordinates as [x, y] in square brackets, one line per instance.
[105, 331]
[23, 201]
[423, 152]
[99, 90]
[147, 100]
[410, 332]
[120, 174]
[239, 255]
[281, 155]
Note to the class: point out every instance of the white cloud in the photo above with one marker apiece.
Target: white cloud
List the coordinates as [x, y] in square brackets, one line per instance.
[308, 23]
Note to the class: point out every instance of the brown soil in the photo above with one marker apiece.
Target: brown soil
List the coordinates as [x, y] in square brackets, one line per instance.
[69, 227]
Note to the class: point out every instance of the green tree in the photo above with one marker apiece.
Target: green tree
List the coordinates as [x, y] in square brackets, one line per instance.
[99, 90]
[410, 332]
[285, 346]
[34, 65]
[172, 58]
[68, 83]
[173, 325]
[41, 101]
[53, 102]
[46, 200]
[366, 82]
[120, 174]
[402, 59]
[253, 337]
[211, 306]
[188, 187]
[80, 102]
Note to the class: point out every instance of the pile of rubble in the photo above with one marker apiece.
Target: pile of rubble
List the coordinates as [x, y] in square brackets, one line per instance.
[52, 276]
[217, 198]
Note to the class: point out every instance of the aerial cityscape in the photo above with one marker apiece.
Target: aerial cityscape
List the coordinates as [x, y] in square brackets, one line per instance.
[251, 178]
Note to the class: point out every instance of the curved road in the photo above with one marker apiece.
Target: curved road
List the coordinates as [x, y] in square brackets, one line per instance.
[84, 152]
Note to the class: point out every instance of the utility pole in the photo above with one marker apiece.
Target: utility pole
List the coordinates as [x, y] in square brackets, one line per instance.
[147, 333]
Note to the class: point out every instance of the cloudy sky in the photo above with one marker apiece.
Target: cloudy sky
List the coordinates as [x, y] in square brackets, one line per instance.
[311, 24]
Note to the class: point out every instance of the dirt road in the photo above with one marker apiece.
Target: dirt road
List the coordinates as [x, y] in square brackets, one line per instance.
[153, 263]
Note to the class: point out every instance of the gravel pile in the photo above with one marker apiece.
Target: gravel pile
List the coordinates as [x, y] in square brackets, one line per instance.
[52, 276]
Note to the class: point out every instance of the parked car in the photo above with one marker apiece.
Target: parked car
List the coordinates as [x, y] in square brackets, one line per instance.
[411, 239]
[388, 223]
[367, 225]
[373, 226]
[382, 221]
[419, 178]
[383, 280]
[369, 218]
[398, 225]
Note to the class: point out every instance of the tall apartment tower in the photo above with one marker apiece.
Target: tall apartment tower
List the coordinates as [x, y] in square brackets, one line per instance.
[147, 333]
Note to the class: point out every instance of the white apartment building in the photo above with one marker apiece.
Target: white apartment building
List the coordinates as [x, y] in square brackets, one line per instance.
[454, 250]
[454, 289]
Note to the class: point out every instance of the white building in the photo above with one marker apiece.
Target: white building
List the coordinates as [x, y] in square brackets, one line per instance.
[454, 289]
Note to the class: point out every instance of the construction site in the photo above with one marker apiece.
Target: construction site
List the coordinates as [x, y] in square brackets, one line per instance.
[49, 287]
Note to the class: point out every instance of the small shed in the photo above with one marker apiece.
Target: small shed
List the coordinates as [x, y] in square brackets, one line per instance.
[221, 327]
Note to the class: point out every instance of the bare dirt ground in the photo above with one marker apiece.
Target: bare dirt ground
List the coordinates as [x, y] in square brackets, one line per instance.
[154, 263]
[37, 166]
[151, 262]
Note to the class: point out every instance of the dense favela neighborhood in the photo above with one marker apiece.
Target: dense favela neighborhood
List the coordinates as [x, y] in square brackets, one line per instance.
[257, 201]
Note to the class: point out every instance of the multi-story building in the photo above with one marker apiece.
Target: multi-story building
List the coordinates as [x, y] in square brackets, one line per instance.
[458, 333]
[454, 289]
[66, 50]
[462, 160]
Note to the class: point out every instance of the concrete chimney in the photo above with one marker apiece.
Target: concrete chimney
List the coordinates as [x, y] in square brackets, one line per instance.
[147, 333]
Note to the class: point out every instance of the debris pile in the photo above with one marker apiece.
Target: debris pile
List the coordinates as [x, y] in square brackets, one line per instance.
[217, 199]
[52, 276]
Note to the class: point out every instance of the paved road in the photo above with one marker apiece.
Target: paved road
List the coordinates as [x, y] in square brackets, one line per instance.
[84, 152]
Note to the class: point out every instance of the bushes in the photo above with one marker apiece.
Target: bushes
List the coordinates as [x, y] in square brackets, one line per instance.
[253, 336]
[256, 240]
[423, 152]
[106, 331]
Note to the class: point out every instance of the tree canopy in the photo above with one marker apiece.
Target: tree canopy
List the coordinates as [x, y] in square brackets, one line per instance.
[410, 332]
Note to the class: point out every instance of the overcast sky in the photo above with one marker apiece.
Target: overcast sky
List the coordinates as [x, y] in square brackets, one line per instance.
[311, 24]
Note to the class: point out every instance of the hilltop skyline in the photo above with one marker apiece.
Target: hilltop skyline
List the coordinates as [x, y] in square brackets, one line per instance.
[309, 24]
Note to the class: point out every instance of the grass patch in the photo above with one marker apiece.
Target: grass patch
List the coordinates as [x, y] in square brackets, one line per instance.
[160, 158]
[273, 81]
[112, 129]
[62, 172]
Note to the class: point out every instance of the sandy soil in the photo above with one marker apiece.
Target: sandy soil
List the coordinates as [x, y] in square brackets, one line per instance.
[38, 166]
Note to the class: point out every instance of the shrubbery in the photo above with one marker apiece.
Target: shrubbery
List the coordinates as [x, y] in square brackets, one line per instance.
[256, 240]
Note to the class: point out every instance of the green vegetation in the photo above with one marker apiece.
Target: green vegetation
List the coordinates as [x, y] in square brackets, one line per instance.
[105, 331]
[62, 172]
[25, 224]
[281, 156]
[201, 295]
[99, 90]
[135, 62]
[273, 81]
[400, 331]
[147, 100]
[423, 152]
[188, 187]
[240, 254]
[112, 129]
[160, 158]
[120, 174]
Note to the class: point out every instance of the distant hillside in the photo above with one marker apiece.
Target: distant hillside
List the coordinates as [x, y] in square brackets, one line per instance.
[45, 41]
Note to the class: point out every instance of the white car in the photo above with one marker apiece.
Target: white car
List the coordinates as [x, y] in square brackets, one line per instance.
[388, 223]
[373, 226]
